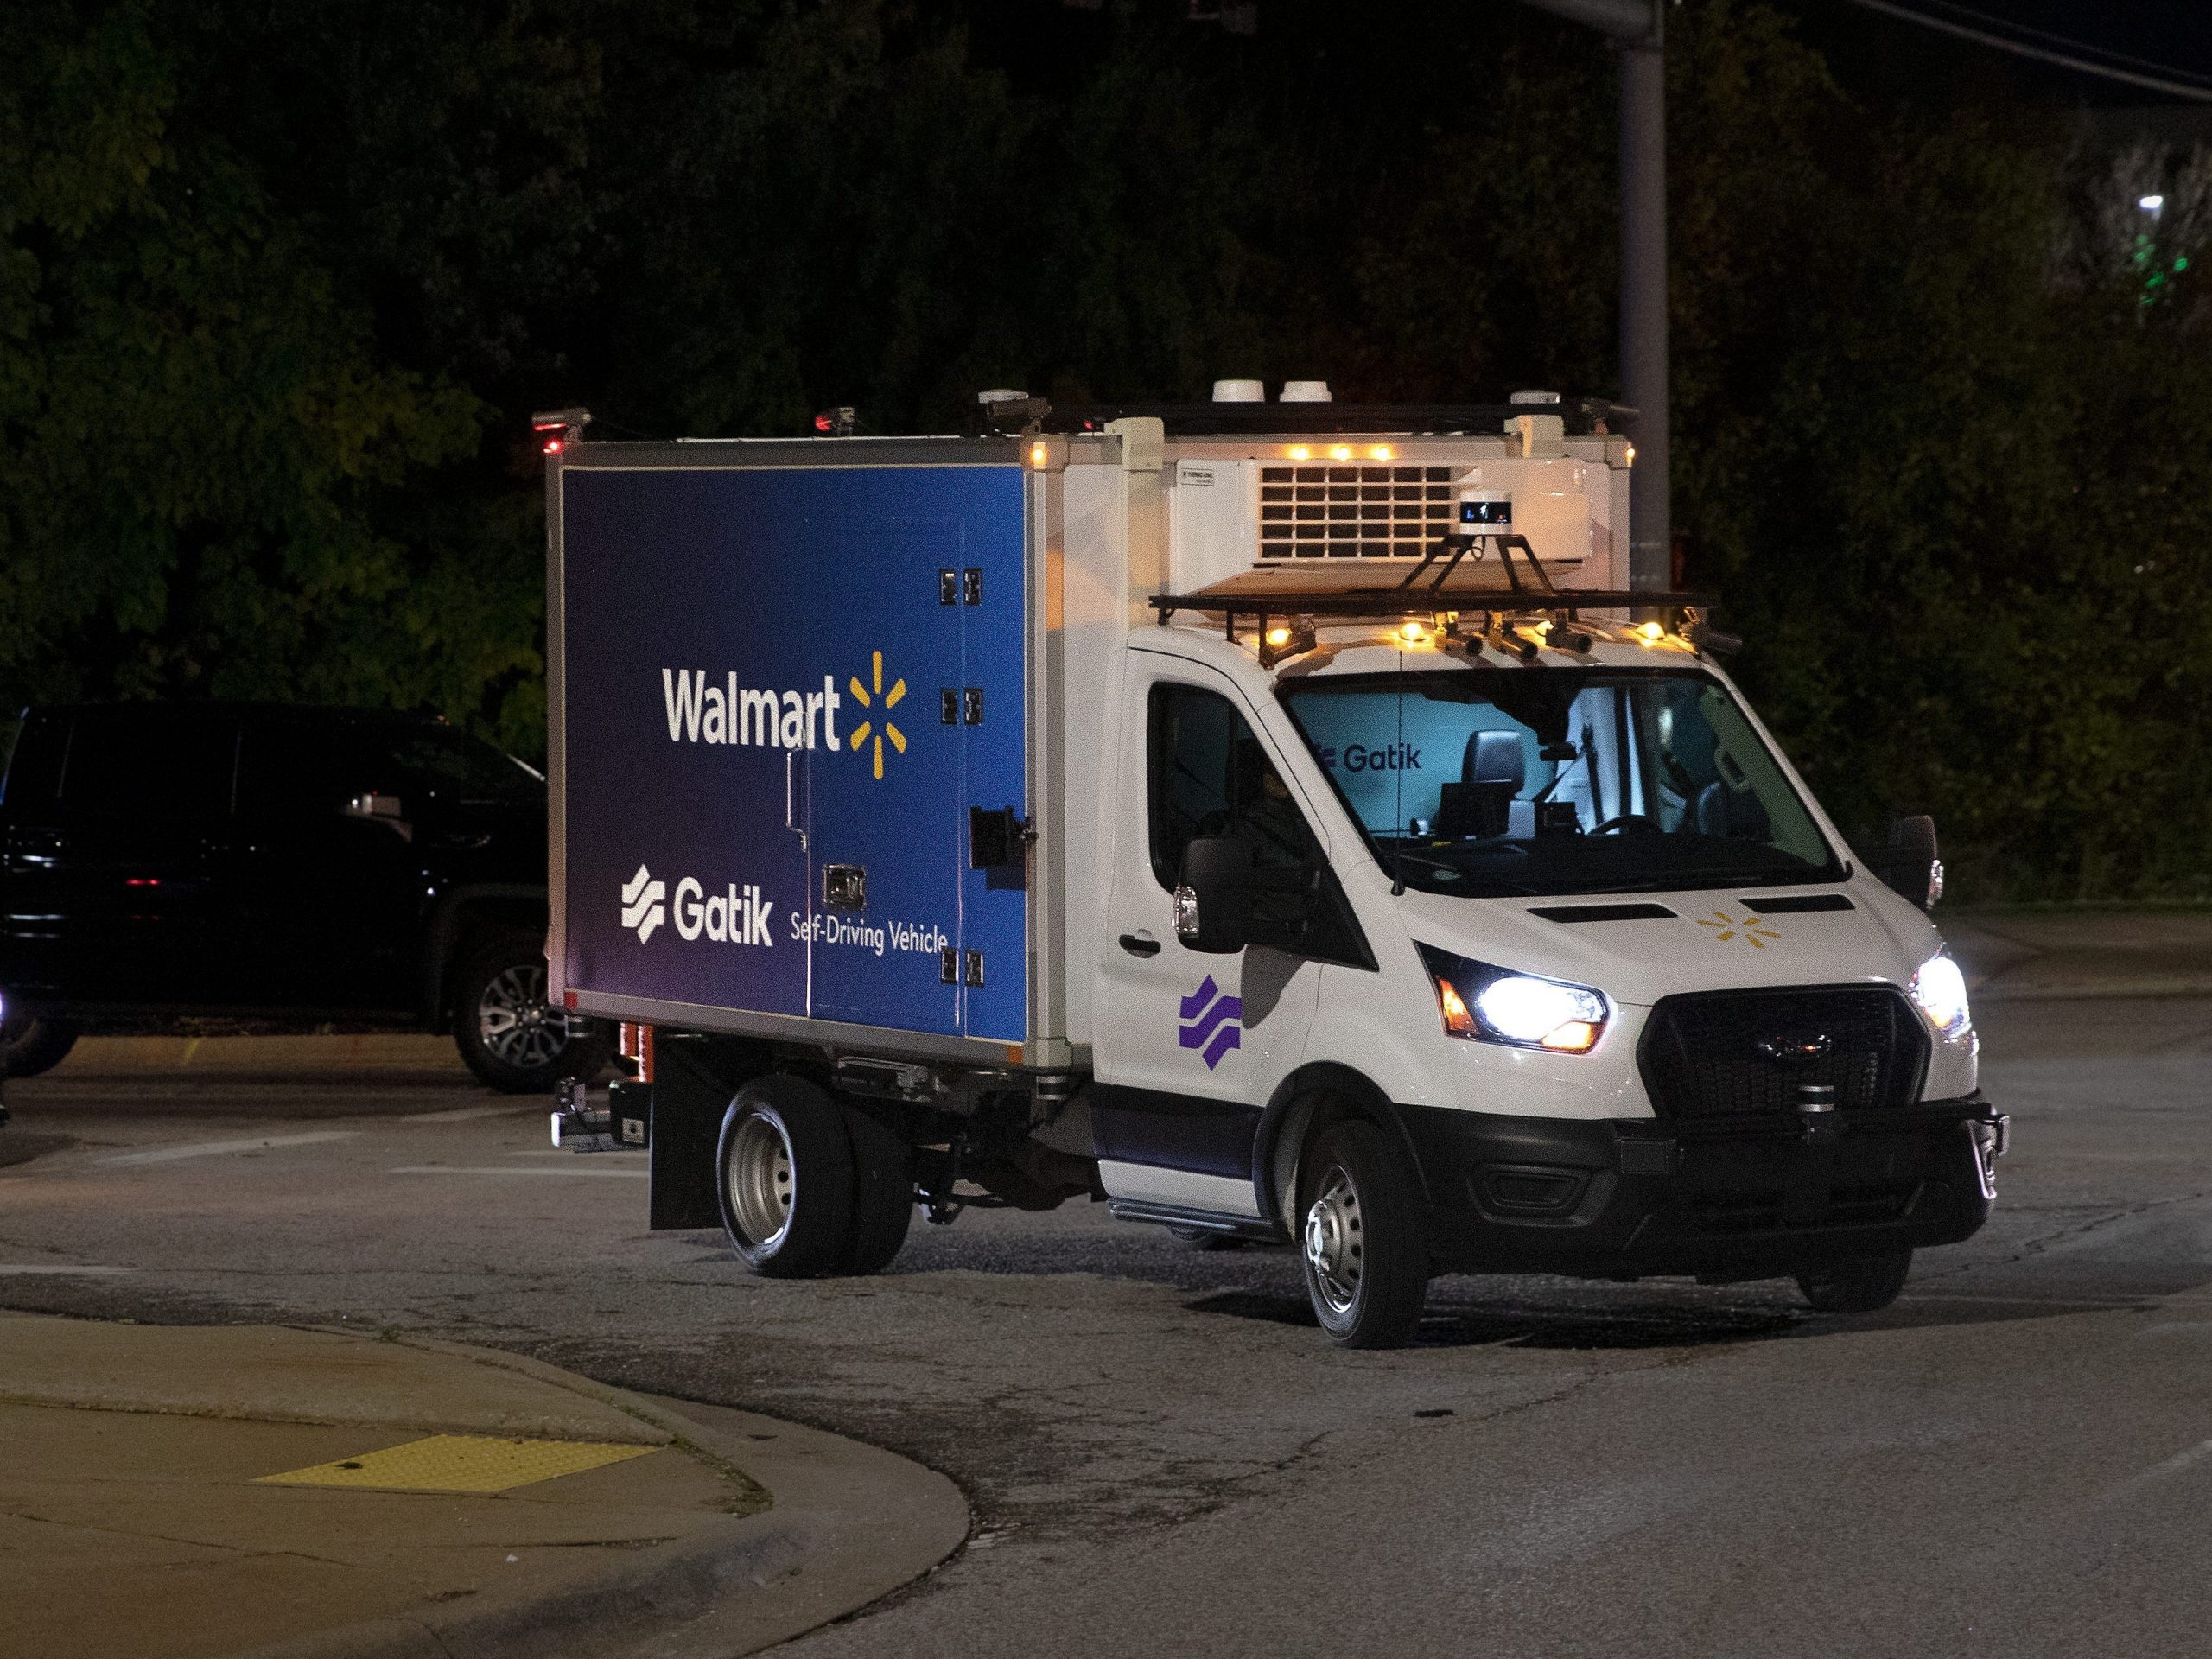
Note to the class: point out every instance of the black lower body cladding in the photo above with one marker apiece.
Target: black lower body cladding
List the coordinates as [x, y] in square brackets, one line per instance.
[1620, 1197]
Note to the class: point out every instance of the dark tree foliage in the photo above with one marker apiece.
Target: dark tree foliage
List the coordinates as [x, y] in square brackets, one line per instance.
[279, 284]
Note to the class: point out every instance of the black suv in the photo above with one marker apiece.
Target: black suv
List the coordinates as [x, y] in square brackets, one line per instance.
[160, 862]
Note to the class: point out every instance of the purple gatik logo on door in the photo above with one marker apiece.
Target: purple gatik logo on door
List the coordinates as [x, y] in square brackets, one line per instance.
[1212, 1023]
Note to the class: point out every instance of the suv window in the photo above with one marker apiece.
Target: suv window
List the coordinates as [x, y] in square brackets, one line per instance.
[33, 779]
[292, 767]
[126, 765]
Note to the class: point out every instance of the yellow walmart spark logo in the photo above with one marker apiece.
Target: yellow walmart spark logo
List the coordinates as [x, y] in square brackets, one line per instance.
[1753, 930]
[866, 730]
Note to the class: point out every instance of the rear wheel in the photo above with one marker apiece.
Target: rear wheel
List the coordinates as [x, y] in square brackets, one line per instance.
[1859, 1284]
[883, 1192]
[508, 1033]
[1364, 1260]
[785, 1165]
[30, 1043]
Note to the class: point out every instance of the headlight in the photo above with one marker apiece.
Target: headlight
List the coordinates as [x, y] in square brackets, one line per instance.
[1491, 1005]
[1940, 990]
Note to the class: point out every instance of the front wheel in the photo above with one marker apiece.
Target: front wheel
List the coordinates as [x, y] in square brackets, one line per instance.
[30, 1043]
[1365, 1259]
[508, 1033]
[1859, 1284]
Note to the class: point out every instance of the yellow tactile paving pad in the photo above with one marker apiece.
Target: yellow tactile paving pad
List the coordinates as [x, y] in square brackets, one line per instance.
[461, 1463]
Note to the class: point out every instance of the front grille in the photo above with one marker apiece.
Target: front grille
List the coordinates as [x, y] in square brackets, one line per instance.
[1742, 1053]
[1352, 512]
[1775, 1209]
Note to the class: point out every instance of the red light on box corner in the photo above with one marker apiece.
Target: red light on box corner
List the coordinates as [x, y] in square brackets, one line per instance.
[568, 999]
[552, 446]
[822, 422]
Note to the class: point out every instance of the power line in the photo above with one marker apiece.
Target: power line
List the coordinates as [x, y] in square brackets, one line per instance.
[2013, 26]
[2198, 92]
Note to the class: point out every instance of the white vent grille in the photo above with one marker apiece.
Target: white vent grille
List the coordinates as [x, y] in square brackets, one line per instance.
[1352, 512]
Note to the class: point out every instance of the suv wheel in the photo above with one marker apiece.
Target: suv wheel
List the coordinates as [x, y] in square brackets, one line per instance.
[29, 1045]
[509, 1035]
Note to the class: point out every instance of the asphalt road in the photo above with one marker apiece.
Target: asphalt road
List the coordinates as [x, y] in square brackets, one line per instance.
[1163, 1454]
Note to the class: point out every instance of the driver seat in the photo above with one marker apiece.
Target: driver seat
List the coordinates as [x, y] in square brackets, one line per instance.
[1492, 772]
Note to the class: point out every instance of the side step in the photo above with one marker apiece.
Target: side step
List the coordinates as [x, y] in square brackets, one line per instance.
[1255, 1228]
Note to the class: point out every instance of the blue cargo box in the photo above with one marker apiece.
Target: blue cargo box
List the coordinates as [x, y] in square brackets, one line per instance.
[787, 697]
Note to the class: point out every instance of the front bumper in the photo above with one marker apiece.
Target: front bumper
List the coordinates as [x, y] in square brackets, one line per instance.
[1722, 1198]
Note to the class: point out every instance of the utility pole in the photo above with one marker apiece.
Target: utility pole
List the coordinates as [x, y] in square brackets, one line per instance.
[1636, 27]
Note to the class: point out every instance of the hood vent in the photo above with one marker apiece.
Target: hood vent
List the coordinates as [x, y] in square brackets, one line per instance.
[1604, 912]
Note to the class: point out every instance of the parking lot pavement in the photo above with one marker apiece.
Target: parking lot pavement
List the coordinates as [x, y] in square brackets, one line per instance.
[1160, 1450]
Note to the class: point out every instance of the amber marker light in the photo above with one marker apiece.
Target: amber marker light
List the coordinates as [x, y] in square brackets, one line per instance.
[1458, 1019]
[1299, 452]
[1342, 452]
[1650, 632]
[1575, 1037]
[1413, 633]
[1381, 451]
[1278, 636]
[1039, 454]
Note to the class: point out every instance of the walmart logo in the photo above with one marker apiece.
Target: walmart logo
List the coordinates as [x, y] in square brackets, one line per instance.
[643, 904]
[866, 730]
[1752, 929]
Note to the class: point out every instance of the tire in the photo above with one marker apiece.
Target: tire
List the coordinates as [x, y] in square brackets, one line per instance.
[1361, 1251]
[783, 1175]
[30, 1044]
[883, 1192]
[1204, 1238]
[508, 1035]
[1859, 1284]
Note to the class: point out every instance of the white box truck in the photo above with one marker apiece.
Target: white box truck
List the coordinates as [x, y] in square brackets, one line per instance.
[1273, 820]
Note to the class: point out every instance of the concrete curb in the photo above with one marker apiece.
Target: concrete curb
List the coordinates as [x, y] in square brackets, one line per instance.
[850, 1523]
[379, 1052]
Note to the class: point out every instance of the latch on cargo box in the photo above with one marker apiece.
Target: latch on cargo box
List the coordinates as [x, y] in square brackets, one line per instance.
[844, 886]
[998, 839]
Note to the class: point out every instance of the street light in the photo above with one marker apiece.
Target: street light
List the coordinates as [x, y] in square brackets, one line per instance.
[1636, 27]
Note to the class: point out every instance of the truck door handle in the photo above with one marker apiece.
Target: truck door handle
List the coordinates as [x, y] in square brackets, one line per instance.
[1140, 944]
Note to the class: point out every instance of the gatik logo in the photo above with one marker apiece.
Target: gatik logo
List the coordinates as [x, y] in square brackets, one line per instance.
[1354, 757]
[729, 917]
[642, 906]
[1212, 1022]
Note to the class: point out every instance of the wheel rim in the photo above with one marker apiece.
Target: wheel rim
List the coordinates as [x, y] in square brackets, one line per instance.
[1335, 1240]
[760, 1182]
[517, 1027]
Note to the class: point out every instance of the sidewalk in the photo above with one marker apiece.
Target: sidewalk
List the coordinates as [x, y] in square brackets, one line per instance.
[171, 1492]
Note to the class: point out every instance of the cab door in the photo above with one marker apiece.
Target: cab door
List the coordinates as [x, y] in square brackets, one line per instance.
[1189, 1047]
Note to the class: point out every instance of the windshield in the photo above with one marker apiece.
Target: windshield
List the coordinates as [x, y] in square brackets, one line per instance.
[1488, 782]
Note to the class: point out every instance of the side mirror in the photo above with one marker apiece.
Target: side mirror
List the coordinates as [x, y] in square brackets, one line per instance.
[1213, 901]
[1908, 863]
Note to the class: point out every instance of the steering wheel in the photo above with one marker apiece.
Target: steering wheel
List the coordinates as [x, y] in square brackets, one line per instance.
[1642, 824]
